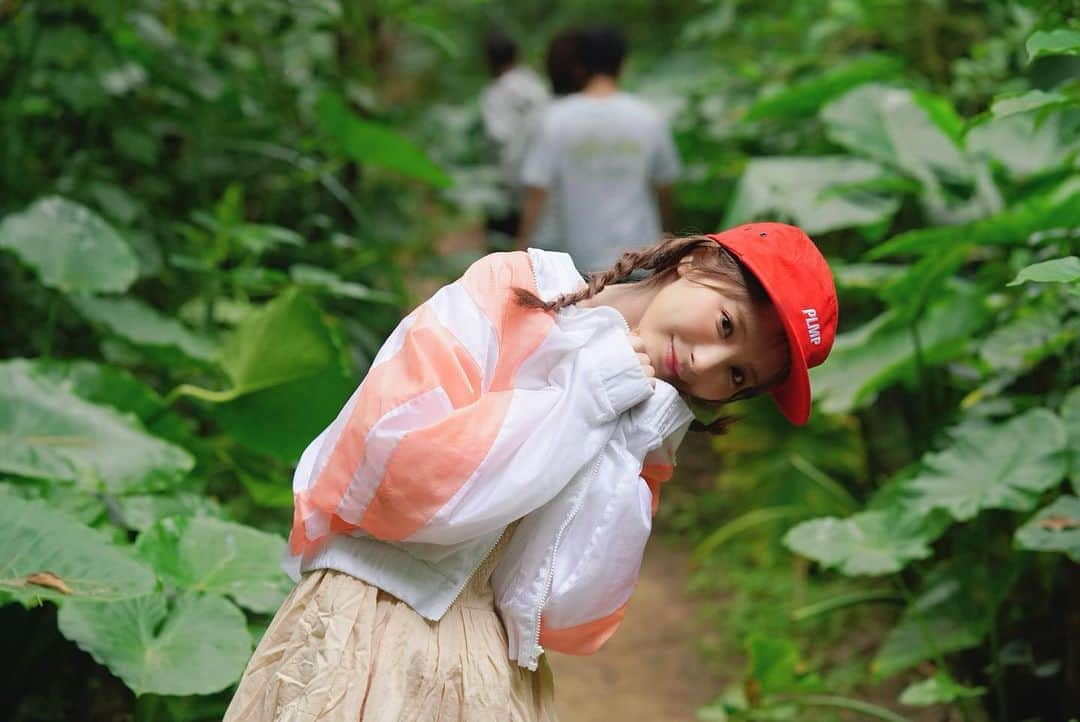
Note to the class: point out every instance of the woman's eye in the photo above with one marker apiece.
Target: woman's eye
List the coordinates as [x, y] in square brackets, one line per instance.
[737, 376]
[725, 326]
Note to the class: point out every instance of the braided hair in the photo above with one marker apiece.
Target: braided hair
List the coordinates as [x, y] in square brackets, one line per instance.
[662, 260]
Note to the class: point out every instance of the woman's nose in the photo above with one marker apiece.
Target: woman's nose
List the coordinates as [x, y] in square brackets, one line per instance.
[706, 359]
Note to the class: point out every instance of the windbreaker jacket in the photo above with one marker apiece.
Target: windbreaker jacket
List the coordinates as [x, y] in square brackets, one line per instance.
[476, 413]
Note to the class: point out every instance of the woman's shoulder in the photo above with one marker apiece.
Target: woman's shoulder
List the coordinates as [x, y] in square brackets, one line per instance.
[548, 274]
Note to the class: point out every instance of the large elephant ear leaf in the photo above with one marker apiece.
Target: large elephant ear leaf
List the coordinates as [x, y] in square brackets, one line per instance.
[287, 363]
[1056, 528]
[49, 433]
[211, 555]
[1005, 466]
[197, 647]
[868, 543]
[1070, 414]
[71, 248]
[45, 554]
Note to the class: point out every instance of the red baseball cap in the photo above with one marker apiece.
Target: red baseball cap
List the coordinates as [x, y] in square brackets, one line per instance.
[800, 284]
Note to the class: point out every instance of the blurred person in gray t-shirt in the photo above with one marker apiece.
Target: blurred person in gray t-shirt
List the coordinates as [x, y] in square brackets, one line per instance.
[603, 160]
[510, 105]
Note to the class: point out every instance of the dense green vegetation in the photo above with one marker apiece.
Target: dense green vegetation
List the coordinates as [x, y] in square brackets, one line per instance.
[207, 214]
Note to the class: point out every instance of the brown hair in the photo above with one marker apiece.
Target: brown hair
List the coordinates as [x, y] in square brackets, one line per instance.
[662, 259]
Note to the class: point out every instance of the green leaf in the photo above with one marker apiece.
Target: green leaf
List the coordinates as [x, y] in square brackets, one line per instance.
[375, 144]
[1005, 466]
[48, 433]
[1070, 416]
[805, 191]
[951, 612]
[889, 125]
[71, 248]
[1015, 225]
[805, 98]
[867, 543]
[880, 353]
[200, 646]
[143, 325]
[329, 282]
[1005, 106]
[115, 387]
[775, 664]
[203, 554]
[287, 339]
[1028, 144]
[1055, 528]
[1022, 342]
[36, 540]
[299, 384]
[1058, 270]
[140, 511]
[939, 689]
[1062, 41]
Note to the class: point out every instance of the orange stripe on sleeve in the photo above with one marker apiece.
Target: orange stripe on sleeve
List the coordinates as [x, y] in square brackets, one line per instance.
[655, 475]
[582, 638]
[489, 283]
[430, 357]
[430, 465]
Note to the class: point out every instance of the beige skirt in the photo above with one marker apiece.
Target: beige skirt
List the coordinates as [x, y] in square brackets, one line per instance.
[341, 649]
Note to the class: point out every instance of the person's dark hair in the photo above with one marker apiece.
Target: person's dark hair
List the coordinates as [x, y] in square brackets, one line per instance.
[711, 264]
[501, 51]
[563, 63]
[602, 50]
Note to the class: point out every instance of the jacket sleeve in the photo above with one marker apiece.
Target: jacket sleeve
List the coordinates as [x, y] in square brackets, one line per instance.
[592, 583]
[474, 413]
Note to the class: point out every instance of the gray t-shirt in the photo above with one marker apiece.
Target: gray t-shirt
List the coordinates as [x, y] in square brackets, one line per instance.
[600, 159]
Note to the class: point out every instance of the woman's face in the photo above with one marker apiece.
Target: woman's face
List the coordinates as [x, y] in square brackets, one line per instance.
[708, 339]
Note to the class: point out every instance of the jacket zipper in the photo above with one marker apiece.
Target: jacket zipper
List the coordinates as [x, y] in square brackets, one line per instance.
[537, 649]
[461, 587]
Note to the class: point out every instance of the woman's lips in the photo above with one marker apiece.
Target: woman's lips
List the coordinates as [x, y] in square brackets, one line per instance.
[672, 364]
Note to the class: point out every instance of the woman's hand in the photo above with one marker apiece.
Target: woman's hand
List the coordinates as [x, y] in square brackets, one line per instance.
[643, 358]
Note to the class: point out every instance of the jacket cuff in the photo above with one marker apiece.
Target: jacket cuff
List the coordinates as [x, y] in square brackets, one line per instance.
[620, 382]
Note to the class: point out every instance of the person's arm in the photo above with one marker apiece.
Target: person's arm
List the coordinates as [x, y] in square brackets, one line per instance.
[665, 203]
[592, 587]
[531, 208]
[450, 413]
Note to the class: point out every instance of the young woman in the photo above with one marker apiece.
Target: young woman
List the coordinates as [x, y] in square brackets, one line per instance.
[487, 491]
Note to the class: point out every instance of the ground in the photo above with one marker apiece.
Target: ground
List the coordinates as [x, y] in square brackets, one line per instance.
[650, 670]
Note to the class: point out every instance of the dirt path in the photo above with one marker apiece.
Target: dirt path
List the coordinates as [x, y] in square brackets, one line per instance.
[650, 670]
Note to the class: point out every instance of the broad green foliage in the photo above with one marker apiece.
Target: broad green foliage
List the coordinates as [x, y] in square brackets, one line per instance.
[1005, 466]
[143, 326]
[203, 554]
[1061, 41]
[1055, 528]
[285, 363]
[1058, 270]
[811, 192]
[48, 433]
[331, 283]
[889, 125]
[195, 645]
[375, 144]
[70, 247]
[870, 542]
[806, 98]
[873, 357]
[1070, 415]
[939, 689]
[48, 555]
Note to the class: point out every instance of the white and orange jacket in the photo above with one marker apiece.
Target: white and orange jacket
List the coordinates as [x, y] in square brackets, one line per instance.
[477, 413]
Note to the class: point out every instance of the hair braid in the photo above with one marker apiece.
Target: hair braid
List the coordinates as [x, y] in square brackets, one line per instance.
[658, 258]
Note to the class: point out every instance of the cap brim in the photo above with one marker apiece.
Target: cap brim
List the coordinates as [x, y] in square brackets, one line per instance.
[792, 395]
